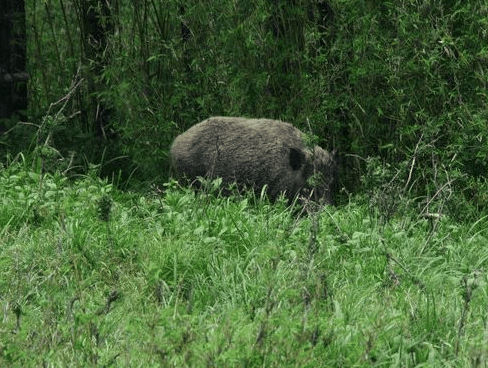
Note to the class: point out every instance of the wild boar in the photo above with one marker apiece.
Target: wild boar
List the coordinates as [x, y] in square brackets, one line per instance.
[255, 153]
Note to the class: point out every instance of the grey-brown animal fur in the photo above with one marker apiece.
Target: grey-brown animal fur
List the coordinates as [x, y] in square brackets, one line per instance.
[254, 152]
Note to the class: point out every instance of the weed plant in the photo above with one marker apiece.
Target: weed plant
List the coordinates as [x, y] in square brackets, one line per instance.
[91, 276]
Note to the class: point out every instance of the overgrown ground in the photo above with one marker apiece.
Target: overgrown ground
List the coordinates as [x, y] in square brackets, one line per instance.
[93, 276]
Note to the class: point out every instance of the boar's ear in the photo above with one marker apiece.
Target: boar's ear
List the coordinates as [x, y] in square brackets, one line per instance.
[297, 158]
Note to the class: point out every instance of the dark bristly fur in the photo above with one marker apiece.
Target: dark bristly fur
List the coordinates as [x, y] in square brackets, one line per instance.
[254, 152]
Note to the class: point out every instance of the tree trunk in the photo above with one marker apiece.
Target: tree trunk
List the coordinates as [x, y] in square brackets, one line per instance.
[13, 77]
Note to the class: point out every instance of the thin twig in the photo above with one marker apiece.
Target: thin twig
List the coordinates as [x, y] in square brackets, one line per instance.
[413, 160]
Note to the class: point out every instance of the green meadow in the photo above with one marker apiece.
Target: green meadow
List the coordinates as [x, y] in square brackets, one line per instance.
[93, 276]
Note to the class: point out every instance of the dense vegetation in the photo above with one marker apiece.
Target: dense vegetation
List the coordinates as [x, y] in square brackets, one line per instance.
[105, 261]
[401, 82]
[91, 276]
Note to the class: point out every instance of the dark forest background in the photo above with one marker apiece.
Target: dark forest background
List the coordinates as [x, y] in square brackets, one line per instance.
[398, 87]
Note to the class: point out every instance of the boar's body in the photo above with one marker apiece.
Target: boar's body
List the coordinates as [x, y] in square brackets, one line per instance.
[253, 152]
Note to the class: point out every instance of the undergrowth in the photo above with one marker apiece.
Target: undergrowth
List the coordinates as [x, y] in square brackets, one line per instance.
[94, 276]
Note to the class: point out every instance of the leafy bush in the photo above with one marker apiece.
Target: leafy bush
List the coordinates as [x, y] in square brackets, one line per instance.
[400, 81]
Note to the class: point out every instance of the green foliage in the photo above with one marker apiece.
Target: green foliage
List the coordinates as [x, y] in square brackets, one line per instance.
[403, 77]
[403, 82]
[101, 277]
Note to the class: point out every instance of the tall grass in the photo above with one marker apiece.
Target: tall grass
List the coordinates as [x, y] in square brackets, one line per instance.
[94, 276]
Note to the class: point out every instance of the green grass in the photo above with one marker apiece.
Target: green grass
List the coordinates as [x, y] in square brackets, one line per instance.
[91, 276]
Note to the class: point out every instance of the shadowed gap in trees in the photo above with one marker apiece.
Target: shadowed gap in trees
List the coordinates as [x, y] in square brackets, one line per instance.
[97, 21]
